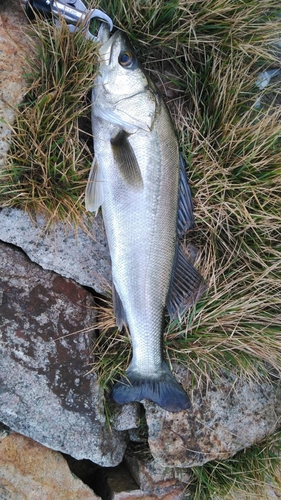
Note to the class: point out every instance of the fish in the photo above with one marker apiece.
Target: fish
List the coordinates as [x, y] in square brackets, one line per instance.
[138, 178]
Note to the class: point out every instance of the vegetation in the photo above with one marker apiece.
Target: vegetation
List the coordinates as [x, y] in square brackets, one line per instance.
[49, 160]
[205, 57]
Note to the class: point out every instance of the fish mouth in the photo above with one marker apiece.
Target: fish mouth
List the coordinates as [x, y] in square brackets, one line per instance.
[103, 33]
[110, 45]
[105, 41]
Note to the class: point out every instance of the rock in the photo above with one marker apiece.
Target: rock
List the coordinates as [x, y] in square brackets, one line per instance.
[117, 484]
[228, 415]
[71, 252]
[125, 417]
[46, 390]
[155, 479]
[29, 471]
[116, 481]
[15, 48]
[133, 495]
[112, 483]
[114, 493]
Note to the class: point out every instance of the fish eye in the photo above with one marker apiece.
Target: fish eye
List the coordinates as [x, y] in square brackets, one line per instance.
[127, 59]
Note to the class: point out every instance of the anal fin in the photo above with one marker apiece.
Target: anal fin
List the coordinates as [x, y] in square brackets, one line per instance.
[187, 286]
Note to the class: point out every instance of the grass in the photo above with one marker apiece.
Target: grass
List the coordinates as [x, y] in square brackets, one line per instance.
[204, 56]
[49, 159]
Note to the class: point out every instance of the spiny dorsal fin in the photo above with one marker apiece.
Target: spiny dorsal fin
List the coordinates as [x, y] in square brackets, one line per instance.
[94, 194]
[126, 160]
[185, 209]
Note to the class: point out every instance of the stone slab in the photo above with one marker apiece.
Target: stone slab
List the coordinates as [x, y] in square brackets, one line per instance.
[46, 389]
[29, 471]
[81, 255]
[227, 415]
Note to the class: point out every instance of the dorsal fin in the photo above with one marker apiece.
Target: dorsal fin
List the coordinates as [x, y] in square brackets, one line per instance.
[185, 208]
[187, 286]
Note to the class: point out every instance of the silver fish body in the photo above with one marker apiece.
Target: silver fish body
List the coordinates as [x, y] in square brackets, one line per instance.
[137, 179]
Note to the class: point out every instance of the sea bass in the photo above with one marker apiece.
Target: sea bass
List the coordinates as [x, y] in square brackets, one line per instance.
[138, 178]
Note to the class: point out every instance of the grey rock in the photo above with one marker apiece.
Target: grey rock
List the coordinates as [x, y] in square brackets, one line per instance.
[125, 417]
[46, 390]
[69, 251]
[227, 415]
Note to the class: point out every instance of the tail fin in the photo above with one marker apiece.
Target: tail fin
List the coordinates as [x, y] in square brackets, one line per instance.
[163, 390]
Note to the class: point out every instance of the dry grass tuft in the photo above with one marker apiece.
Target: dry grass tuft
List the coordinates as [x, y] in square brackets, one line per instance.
[48, 163]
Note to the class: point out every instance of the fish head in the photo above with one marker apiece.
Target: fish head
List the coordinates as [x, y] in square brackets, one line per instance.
[123, 93]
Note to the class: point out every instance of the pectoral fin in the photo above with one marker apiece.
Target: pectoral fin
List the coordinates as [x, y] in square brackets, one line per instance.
[187, 286]
[185, 209]
[94, 194]
[126, 161]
